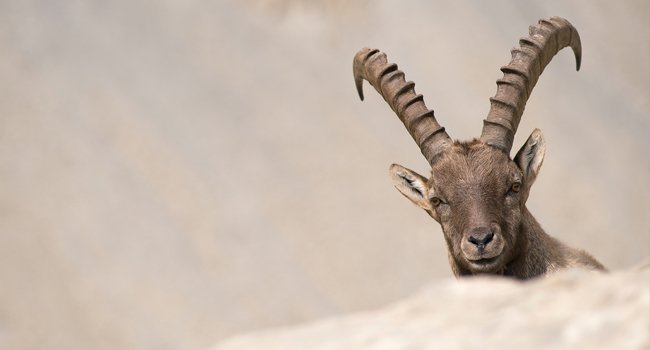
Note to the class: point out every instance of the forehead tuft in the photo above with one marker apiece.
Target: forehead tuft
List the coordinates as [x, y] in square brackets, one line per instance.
[472, 161]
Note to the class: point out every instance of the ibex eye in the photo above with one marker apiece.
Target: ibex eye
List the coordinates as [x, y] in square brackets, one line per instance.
[435, 201]
[515, 187]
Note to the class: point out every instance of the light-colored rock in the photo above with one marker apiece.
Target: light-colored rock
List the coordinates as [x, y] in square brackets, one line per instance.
[570, 310]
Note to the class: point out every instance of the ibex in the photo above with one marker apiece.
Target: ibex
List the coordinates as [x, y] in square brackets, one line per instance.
[476, 191]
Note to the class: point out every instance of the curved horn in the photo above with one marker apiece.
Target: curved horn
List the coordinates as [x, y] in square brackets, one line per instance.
[371, 65]
[521, 74]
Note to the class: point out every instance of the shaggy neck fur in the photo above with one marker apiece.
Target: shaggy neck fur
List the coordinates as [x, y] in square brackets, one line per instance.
[537, 254]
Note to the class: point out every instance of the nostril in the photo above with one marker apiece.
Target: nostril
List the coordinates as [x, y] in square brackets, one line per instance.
[480, 236]
[488, 237]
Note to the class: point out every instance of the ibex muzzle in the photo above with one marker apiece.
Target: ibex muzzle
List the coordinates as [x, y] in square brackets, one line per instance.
[476, 191]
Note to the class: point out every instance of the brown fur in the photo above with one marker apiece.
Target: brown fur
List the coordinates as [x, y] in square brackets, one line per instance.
[473, 183]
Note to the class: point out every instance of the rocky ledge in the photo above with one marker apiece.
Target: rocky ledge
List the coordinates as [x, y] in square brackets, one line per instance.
[569, 310]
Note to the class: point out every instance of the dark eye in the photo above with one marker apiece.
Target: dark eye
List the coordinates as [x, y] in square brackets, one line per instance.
[515, 187]
[435, 201]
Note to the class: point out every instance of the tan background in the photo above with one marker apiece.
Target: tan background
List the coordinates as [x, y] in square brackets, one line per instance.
[173, 172]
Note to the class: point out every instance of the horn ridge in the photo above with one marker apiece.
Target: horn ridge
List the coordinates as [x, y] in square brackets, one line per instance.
[528, 61]
[372, 65]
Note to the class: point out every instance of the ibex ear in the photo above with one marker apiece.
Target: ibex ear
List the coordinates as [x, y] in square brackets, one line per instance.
[412, 185]
[530, 157]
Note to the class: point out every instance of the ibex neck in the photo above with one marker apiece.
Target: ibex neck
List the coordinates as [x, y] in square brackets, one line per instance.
[533, 247]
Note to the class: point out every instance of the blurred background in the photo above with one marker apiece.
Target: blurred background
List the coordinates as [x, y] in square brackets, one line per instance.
[174, 172]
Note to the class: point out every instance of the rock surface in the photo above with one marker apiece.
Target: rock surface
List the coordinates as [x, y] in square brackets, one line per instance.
[570, 310]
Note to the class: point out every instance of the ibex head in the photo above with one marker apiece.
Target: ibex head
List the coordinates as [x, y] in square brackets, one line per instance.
[476, 191]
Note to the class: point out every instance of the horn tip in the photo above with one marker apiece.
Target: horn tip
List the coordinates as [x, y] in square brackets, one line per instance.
[578, 55]
[358, 81]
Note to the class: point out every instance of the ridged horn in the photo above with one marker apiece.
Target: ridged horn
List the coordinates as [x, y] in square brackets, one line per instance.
[372, 65]
[520, 76]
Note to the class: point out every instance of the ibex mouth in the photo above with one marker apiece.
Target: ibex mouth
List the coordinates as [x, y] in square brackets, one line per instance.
[484, 265]
[485, 261]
